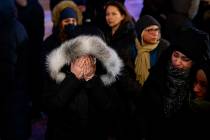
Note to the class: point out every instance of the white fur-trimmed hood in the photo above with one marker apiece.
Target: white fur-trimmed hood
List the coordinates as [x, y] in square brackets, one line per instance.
[81, 45]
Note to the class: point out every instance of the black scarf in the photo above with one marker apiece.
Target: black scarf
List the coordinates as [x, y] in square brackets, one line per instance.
[178, 89]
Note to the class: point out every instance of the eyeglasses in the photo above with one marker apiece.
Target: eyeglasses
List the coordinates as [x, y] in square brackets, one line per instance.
[150, 30]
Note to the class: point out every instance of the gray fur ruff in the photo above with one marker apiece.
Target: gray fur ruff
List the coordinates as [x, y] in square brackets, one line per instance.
[82, 45]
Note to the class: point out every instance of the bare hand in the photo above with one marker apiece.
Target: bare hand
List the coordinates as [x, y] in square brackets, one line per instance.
[89, 68]
[77, 67]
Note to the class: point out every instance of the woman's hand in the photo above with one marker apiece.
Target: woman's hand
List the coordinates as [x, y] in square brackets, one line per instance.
[76, 67]
[89, 68]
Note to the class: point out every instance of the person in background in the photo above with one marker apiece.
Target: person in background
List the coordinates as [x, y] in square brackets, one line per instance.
[201, 97]
[66, 17]
[200, 101]
[95, 13]
[179, 15]
[78, 97]
[150, 46]
[165, 95]
[202, 18]
[121, 37]
[15, 123]
[121, 32]
[31, 15]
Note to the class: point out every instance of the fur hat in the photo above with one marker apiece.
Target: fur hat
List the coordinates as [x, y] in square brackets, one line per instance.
[82, 45]
[144, 22]
[63, 5]
[193, 43]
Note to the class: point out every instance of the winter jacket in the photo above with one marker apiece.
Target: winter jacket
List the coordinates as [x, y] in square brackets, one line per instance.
[80, 109]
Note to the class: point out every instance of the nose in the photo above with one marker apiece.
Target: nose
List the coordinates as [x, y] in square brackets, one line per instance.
[178, 63]
[196, 87]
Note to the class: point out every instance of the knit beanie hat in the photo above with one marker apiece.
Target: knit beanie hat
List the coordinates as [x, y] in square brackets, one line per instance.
[68, 13]
[144, 22]
[193, 43]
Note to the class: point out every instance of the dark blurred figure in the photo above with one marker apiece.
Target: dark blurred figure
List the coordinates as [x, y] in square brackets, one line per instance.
[157, 9]
[14, 102]
[202, 19]
[179, 15]
[31, 15]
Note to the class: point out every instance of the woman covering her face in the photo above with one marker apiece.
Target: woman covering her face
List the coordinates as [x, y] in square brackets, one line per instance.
[79, 101]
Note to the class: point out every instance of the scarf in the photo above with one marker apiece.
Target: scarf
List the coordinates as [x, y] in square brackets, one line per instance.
[142, 61]
[178, 90]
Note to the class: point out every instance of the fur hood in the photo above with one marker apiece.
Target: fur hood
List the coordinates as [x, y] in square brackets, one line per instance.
[81, 45]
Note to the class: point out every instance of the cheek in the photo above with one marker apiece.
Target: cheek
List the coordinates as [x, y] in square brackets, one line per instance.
[146, 38]
[200, 91]
[62, 24]
[187, 65]
[173, 61]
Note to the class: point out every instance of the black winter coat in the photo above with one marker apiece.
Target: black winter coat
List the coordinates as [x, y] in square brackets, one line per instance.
[78, 109]
[151, 106]
[122, 41]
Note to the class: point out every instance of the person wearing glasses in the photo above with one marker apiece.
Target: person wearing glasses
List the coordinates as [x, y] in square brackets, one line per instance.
[149, 45]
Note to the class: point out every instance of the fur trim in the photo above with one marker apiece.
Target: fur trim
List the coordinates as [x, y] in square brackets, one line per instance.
[61, 6]
[83, 45]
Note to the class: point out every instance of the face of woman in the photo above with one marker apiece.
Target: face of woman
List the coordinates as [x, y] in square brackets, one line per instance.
[67, 21]
[180, 61]
[200, 85]
[151, 34]
[113, 16]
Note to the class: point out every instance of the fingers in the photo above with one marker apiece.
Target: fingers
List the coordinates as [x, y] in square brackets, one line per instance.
[89, 68]
[77, 68]
[84, 67]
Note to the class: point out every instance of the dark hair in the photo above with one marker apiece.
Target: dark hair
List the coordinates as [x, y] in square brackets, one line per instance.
[121, 8]
[205, 66]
